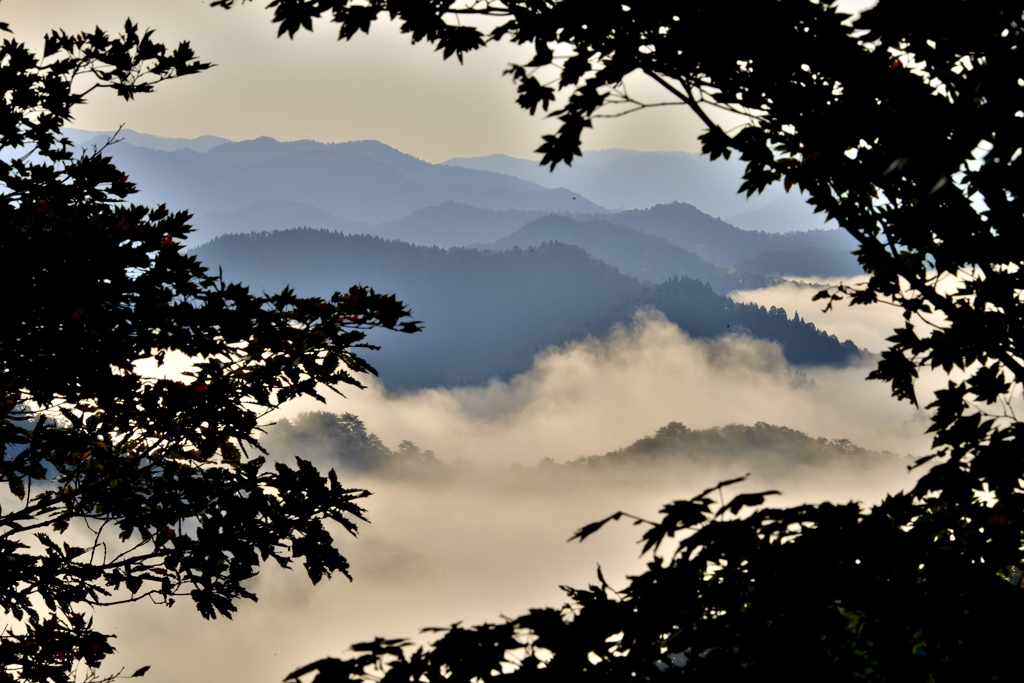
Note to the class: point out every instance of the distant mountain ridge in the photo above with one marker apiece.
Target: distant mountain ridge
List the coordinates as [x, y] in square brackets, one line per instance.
[623, 179]
[719, 242]
[678, 239]
[90, 138]
[355, 182]
[368, 187]
[628, 179]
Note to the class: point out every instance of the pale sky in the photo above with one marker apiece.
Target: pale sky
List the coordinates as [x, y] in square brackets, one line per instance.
[374, 87]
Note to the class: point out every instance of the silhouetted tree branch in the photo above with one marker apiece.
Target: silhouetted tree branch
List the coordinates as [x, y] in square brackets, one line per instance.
[121, 485]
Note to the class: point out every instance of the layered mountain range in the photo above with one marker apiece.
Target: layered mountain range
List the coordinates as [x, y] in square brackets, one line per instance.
[351, 182]
[498, 261]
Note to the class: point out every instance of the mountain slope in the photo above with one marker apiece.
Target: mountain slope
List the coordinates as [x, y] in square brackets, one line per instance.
[788, 212]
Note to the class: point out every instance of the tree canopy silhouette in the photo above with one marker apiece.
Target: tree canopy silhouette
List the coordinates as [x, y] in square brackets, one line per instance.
[904, 125]
[153, 482]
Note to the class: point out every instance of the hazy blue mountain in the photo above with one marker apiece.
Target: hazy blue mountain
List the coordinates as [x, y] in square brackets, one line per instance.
[645, 257]
[684, 232]
[366, 186]
[264, 184]
[357, 182]
[452, 224]
[803, 262]
[265, 149]
[628, 179]
[486, 313]
[719, 242]
[785, 213]
[88, 138]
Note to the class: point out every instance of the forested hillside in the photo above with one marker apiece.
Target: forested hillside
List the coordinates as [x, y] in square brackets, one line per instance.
[784, 447]
[487, 314]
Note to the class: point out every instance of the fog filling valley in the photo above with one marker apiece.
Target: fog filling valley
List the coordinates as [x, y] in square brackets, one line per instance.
[482, 532]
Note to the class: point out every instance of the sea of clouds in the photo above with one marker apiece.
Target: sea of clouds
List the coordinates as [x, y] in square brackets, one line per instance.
[491, 539]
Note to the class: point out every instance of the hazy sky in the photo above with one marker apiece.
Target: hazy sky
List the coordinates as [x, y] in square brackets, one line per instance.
[374, 87]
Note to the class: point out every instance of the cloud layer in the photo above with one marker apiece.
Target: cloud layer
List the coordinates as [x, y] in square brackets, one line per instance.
[594, 396]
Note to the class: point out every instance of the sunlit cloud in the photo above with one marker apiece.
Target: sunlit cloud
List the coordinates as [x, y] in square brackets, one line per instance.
[596, 395]
[490, 540]
[867, 326]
